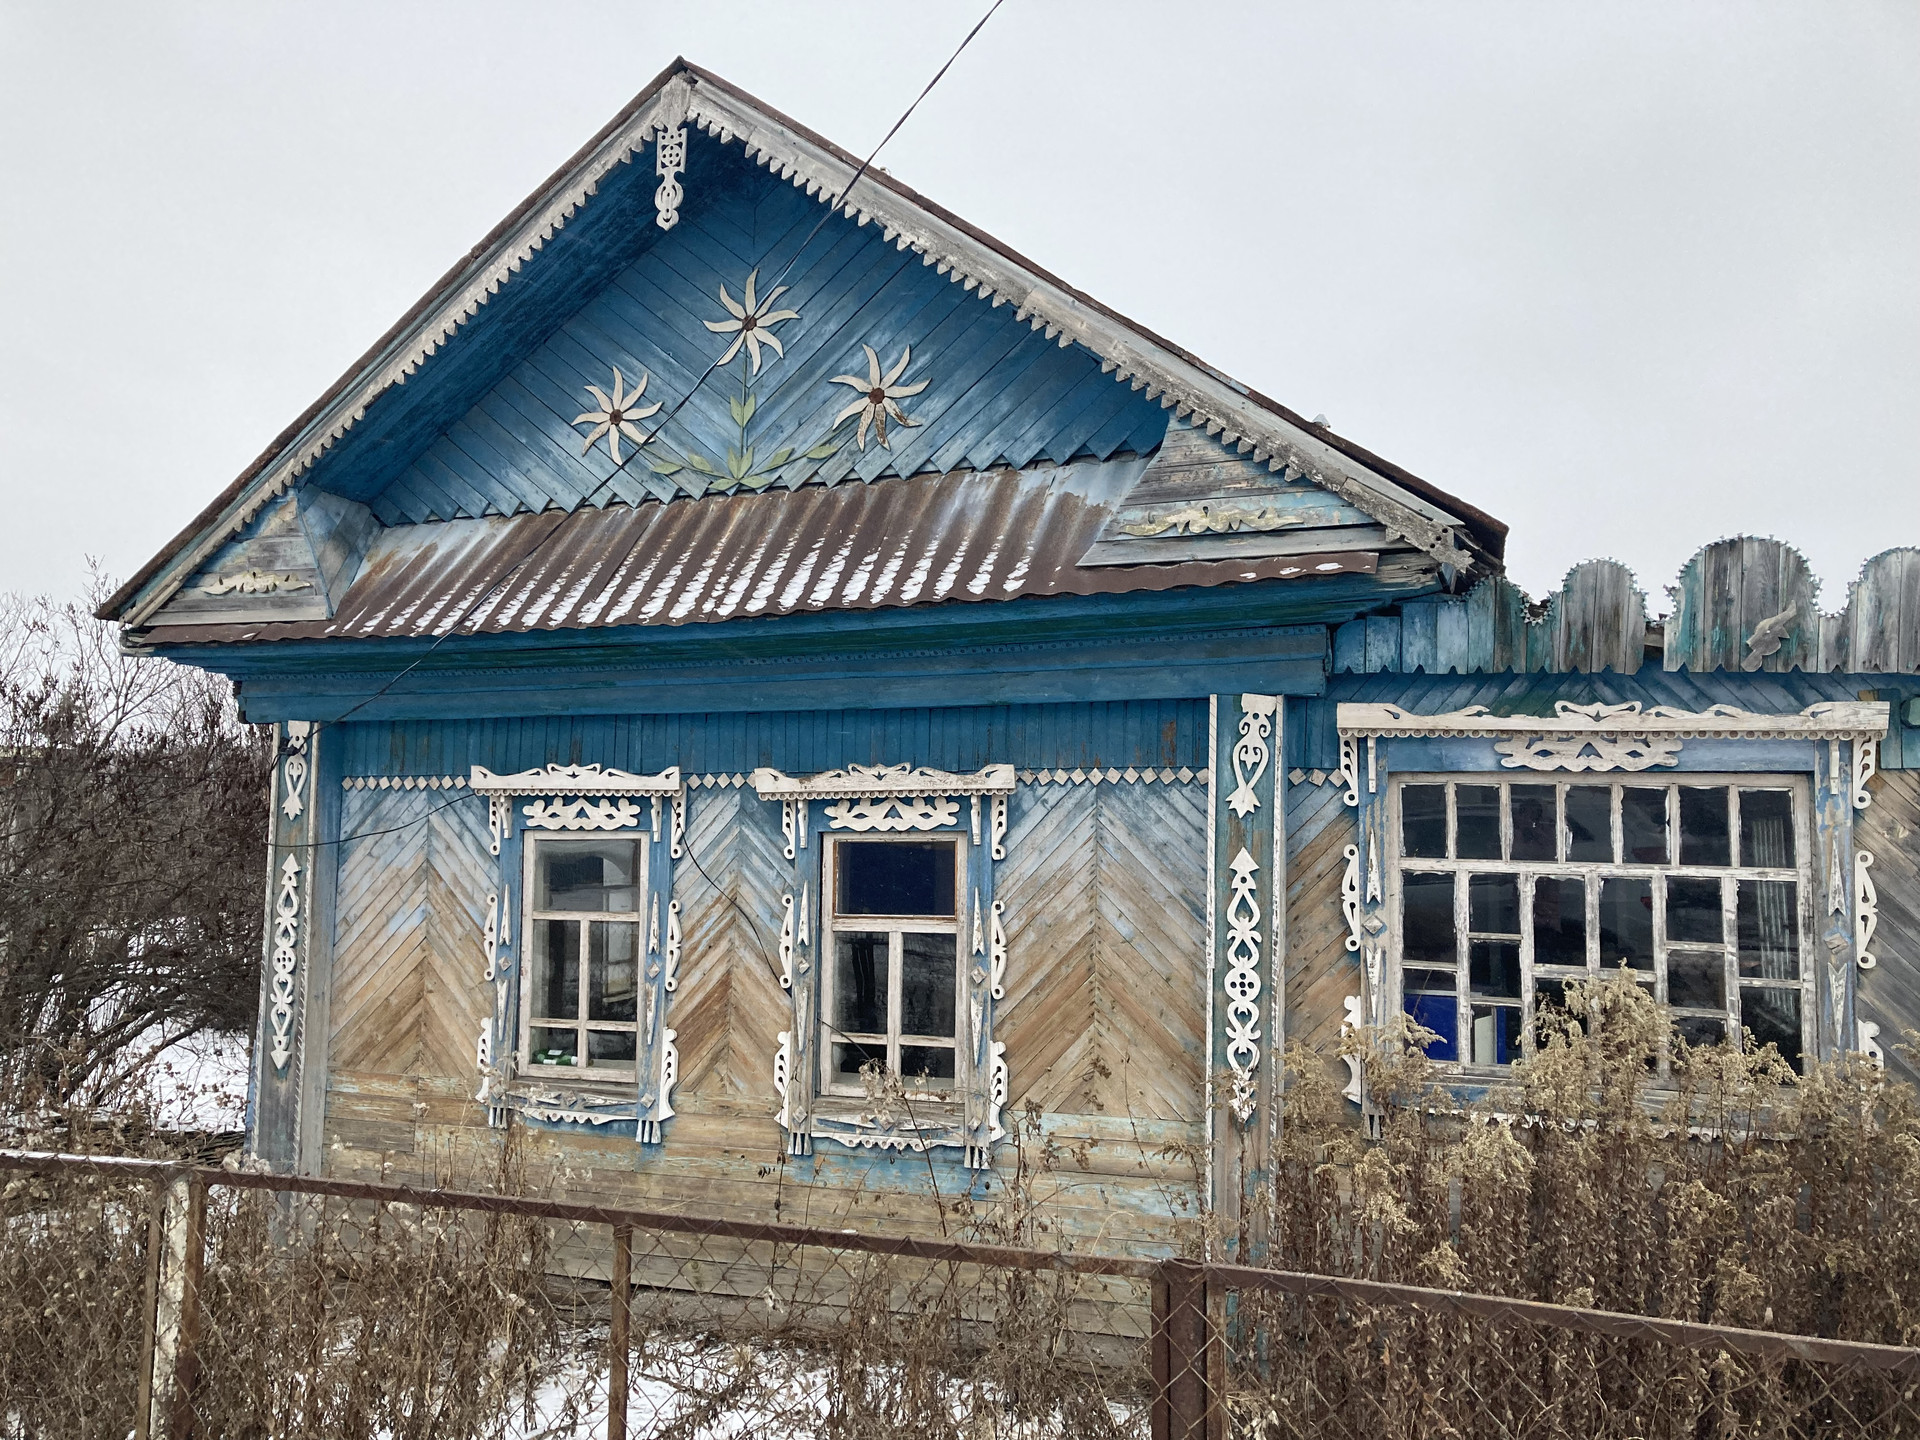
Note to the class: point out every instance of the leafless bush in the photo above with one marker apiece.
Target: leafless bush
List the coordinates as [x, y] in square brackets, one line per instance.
[132, 820]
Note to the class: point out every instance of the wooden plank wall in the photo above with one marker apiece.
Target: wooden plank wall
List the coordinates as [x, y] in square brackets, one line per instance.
[1321, 971]
[1890, 992]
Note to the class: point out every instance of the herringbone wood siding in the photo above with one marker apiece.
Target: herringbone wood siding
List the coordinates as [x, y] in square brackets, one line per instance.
[1321, 971]
[409, 963]
[1890, 992]
[1105, 893]
[729, 1008]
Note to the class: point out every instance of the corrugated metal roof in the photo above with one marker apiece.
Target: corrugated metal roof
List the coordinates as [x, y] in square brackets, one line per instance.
[997, 535]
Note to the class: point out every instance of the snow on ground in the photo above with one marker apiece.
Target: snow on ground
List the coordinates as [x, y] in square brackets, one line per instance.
[200, 1083]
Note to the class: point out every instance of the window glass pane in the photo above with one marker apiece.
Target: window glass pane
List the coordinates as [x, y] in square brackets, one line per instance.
[1493, 968]
[928, 1067]
[1626, 923]
[1426, 919]
[1477, 822]
[1774, 1018]
[612, 969]
[1549, 993]
[1703, 825]
[1493, 904]
[1769, 928]
[587, 875]
[1559, 920]
[1590, 823]
[860, 984]
[1496, 1035]
[1439, 1014]
[554, 1047]
[1643, 825]
[1438, 982]
[1697, 979]
[610, 1047]
[879, 878]
[554, 992]
[1766, 829]
[1693, 912]
[1698, 1030]
[1533, 823]
[1423, 821]
[847, 1056]
[926, 985]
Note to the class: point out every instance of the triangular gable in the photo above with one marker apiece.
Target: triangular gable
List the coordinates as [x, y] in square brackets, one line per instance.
[472, 318]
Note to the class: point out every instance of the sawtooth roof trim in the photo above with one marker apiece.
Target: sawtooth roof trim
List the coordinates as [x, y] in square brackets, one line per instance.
[683, 93]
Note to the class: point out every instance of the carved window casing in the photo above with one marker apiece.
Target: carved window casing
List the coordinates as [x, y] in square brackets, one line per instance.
[848, 1005]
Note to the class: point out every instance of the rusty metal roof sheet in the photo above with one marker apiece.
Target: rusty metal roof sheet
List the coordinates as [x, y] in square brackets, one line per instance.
[966, 536]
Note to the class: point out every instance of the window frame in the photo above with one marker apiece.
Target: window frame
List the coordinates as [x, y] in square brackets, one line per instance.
[531, 918]
[895, 926]
[1528, 872]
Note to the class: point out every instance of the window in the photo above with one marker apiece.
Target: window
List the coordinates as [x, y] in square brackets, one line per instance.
[1506, 889]
[578, 1002]
[893, 963]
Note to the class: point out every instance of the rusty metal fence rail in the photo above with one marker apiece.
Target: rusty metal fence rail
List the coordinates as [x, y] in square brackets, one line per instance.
[149, 1299]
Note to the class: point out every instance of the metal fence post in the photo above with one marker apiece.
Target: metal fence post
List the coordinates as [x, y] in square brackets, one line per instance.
[1159, 1423]
[149, 1307]
[176, 1323]
[1185, 1331]
[621, 1291]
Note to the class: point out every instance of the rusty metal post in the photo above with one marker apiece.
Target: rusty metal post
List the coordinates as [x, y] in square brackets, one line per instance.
[1186, 1341]
[1160, 1425]
[176, 1326]
[1216, 1305]
[621, 1291]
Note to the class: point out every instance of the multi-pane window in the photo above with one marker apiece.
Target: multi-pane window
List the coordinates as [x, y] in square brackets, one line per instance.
[893, 966]
[582, 982]
[1505, 889]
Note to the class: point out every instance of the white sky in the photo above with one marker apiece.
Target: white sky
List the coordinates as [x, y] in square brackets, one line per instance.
[1629, 276]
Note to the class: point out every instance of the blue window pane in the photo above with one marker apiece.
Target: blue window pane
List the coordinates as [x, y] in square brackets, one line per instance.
[1440, 1015]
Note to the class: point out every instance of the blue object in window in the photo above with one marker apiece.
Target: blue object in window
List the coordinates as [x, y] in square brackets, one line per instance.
[1440, 1014]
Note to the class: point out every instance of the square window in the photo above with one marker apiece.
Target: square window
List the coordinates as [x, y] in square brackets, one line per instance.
[1423, 821]
[1496, 1034]
[1766, 829]
[1477, 821]
[1693, 912]
[1697, 979]
[1441, 1015]
[1493, 968]
[1493, 905]
[879, 877]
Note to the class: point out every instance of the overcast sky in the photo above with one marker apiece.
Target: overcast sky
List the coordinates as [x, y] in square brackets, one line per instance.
[1631, 277]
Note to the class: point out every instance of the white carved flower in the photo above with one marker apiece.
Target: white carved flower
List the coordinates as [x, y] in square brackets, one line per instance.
[880, 397]
[752, 323]
[617, 415]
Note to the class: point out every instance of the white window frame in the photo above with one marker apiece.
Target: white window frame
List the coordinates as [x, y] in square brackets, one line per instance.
[581, 1072]
[894, 926]
[1592, 872]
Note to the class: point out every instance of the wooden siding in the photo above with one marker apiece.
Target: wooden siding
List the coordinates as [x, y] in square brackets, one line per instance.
[1321, 972]
[1890, 992]
[729, 1008]
[1105, 890]
[409, 994]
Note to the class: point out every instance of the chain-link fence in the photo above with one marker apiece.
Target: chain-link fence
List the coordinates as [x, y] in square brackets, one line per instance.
[145, 1299]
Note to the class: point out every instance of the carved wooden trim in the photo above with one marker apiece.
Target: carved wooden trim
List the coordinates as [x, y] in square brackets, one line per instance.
[858, 782]
[1828, 720]
[561, 780]
[1251, 753]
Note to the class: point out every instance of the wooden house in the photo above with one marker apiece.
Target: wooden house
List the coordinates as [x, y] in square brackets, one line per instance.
[746, 634]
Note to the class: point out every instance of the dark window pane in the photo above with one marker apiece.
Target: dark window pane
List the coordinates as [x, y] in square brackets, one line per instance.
[879, 878]
[1626, 923]
[1426, 920]
[1559, 921]
[1697, 980]
[555, 982]
[1437, 982]
[1476, 822]
[1766, 829]
[554, 1047]
[1589, 822]
[1693, 912]
[1549, 993]
[1439, 1014]
[926, 985]
[1769, 929]
[849, 1055]
[610, 1047]
[1699, 1031]
[860, 984]
[1774, 1018]
[1533, 823]
[612, 970]
[1493, 968]
[1496, 1035]
[1703, 825]
[1643, 825]
[1493, 904]
[587, 875]
[1423, 821]
[930, 1067]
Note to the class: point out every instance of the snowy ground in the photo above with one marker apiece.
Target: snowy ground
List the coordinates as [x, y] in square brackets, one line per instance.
[200, 1083]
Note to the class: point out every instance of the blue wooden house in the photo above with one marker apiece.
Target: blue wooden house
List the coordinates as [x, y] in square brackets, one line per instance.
[770, 684]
